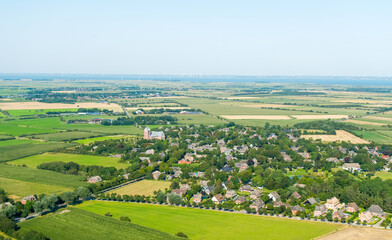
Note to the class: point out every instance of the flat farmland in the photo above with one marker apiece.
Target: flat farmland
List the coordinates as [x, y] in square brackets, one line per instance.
[198, 119]
[87, 141]
[12, 152]
[19, 189]
[23, 181]
[9, 128]
[144, 187]
[205, 224]
[263, 117]
[27, 112]
[36, 160]
[17, 142]
[363, 233]
[341, 135]
[80, 224]
[66, 136]
[316, 117]
[97, 128]
[40, 105]
[376, 137]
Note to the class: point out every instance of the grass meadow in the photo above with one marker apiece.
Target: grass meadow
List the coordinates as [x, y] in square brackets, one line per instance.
[206, 224]
[66, 136]
[12, 152]
[87, 141]
[27, 112]
[34, 161]
[144, 187]
[375, 136]
[81, 224]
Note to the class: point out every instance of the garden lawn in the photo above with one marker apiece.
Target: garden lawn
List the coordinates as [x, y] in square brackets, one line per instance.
[36, 160]
[207, 224]
[80, 224]
[383, 175]
[144, 187]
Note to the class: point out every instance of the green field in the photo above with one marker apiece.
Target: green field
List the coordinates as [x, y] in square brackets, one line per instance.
[80, 224]
[36, 160]
[205, 224]
[17, 142]
[383, 175]
[66, 136]
[41, 176]
[6, 137]
[145, 187]
[129, 130]
[376, 137]
[18, 130]
[27, 112]
[19, 189]
[97, 139]
[13, 152]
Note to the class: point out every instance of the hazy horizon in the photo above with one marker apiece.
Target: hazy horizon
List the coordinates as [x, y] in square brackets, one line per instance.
[252, 38]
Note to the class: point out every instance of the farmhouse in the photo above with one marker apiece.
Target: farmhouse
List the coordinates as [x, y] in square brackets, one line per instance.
[297, 209]
[351, 167]
[296, 195]
[258, 204]
[352, 207]
[274, 196]
[255, 194]
[332, 203]
[246, 188]
[376, 210]
[94, 179]
[156, 174]
[240, 200]
[28, 198]
[218, 198]
[365, 216]
[320, 210]
[148, 134]
[310, 201]
[197, 198]
[339, 215]
[279, 204]
[230, 194]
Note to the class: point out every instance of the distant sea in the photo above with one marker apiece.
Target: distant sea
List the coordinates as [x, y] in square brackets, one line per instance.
[340, 80]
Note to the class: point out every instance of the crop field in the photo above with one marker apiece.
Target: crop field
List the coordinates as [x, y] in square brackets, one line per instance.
[12, 152]
[97, 128]
[36, 160]
[80, 224]
[87, 141]
[66, 136]
[19, 189]
[341, 135]
[375, 136]
[263, 117]
[17, 142]
[188, 119]
[363, 233]
[40, 105]
[144, 187]
[23, 181]
[41, 176]
[19, 130]
[205, 224]
[27, 112]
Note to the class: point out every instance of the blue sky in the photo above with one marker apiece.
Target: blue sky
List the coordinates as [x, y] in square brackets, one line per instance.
[314, 37]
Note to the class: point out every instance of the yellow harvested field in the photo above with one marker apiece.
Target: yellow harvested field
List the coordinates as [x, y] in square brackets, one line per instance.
[378, 118]
[40, 105]
[144, 187]
[363, 233]
[366, 123]
[263, 117]
[319, 116]
[341, 136]
[268, 106]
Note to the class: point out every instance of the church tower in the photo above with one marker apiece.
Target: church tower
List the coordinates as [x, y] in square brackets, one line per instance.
[147, 133]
